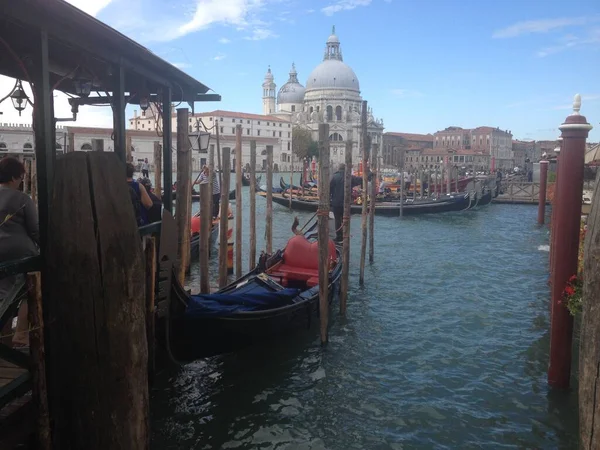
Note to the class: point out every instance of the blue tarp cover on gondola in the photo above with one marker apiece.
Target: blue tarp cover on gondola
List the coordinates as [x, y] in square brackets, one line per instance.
[229, 303]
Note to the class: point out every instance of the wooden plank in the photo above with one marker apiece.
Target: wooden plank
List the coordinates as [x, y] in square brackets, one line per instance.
[96, 306]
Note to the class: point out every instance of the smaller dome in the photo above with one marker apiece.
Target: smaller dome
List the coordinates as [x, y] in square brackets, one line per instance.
[333, 39]
[292, 91]
[269, 75]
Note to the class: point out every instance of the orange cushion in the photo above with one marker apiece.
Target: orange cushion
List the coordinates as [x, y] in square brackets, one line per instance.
[301, 253]
[195, 225]
[297, 273]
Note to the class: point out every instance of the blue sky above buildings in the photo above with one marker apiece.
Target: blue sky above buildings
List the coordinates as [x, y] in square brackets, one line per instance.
[422, 65]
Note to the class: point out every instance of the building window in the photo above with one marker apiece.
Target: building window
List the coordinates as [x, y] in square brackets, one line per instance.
[190, 120]
[293, 108]
[288, 145]
[259, 122]
[142, 125]
[329, 113]
[280, 125]
[85, 147]
[289, 125]
[280, 134]
[289, 134]
[248, 131]
[336, 137]
[248, 122]
[258, 132]
[318, 108]
[190, 128]
[233, 131]
[3, 147]
[221, 130]
[310, 110]
[274, 133]
[268, 123]
[338, 113]
[220, 119]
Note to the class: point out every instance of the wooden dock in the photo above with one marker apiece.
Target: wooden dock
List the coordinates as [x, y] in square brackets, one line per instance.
[523, 193]
[16, 418]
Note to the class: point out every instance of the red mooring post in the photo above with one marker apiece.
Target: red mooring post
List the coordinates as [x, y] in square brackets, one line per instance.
[553, 214]
[542, 193]
[568, 218]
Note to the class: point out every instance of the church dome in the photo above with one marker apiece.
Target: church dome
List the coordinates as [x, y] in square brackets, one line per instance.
[292, 91]
[333, 73]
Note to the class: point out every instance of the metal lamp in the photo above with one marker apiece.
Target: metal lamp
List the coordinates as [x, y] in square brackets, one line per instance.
[83, 86]
[200, 141]
[19, 98]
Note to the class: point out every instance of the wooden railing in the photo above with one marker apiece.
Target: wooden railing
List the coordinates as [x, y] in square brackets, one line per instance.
[522, 192]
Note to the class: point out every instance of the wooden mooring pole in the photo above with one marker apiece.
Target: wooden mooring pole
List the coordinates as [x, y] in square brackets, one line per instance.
[365, 161]
[183, 202]
[252, 257]
[224, 214]
[553, 236]
[542, 194]
[346, 224]
[150, 255]
[269, 218]
[589, 342]
[238, 200]
[157, 168]
[205, 228]
[95, 311]
[374, 189]
[567, 228]
[38, 360]
[323, 233]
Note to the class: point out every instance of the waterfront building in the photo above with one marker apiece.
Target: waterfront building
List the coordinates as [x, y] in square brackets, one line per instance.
[399, 146]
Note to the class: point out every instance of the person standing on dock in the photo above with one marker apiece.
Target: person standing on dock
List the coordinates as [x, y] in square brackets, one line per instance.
[155, 212]
[139, 197]
[336, 192]
[19, 237]
[216, 190]
[145, 168]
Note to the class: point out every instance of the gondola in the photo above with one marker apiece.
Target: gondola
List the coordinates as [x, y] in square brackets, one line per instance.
[286, 186]
[246, 179]
[448, 203]
[196, 195]
[195, 239]
[279, 296]
[486, 198]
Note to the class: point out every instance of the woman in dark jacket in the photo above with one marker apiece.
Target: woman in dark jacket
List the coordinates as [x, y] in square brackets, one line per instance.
[19, 236]
[155, 211]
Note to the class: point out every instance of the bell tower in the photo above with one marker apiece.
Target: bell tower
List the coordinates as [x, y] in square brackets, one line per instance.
[269, 93]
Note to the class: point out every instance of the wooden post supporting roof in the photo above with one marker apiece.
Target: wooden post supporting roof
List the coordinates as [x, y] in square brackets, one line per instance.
[167, 144]
[118, 106]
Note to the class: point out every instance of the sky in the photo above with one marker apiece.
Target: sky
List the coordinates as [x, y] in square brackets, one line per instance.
[423, 65]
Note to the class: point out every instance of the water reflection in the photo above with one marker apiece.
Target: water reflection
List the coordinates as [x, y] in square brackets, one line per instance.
[446, 346]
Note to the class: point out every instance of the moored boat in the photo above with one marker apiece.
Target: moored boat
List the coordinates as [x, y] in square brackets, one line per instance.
[279, 296]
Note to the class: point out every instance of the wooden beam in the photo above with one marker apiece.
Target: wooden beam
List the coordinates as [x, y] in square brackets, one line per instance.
[183, 201]
[118, 107]
[167, 144]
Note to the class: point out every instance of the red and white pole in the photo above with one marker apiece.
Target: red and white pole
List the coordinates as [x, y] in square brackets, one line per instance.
[542, 193]
[568, 219]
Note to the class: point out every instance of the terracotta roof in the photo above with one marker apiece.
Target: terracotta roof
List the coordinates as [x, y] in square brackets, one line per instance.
[411, 136]
[237, 115]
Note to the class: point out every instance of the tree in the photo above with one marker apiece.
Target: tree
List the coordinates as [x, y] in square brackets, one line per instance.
[301, 142]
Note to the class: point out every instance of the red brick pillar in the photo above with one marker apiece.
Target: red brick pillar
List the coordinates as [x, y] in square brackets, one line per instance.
[553, 214]
[568, 218]
[542, 193]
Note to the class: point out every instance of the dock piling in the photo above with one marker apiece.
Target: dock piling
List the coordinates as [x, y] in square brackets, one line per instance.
[38, 360]
[150, 256]
[252, 261]
[224, 217]
[157, 168]
[238, 200]
[269, 215]
[374, 189]
[205, 228]
[567, 228]
[365, 189]
[346, 225]
[323, 233]
[542, 193]
[183, 201]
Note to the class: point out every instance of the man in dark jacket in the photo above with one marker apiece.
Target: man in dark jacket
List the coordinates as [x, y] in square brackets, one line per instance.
[336, 193]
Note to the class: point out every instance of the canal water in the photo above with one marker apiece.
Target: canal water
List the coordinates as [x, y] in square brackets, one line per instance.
[445, 347]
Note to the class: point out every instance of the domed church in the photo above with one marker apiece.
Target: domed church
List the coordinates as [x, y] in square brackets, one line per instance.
[331, 95]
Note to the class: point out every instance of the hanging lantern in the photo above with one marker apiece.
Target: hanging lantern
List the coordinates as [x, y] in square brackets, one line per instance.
[19, 98]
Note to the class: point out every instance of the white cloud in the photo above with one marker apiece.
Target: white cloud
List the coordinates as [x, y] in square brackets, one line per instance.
[258, 34]
[91, 7]
[208, 12]
[541, 26]
[571, 41]
[224, 41]
[219, 57]
[88, 116]
[407, 93]
[344, 5]
[310, 11]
